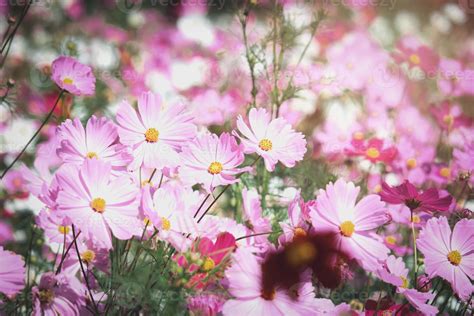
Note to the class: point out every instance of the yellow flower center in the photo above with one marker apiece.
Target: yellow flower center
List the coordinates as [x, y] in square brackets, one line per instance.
[68, 80]
[347, 228]
[405, 282]
[98, 205]
[265, 144]
[165, 224]
[146, 182]
[454, 257]
[358, 136]
[91, 155]
[151, 135]
[390, 240]
[448, 119]
[208, 264]
[445, 172]
[372, 153]
[215, 168]
[88, 256]
[356, 305]
[350, 65]
[63, 229]
[411, 163]
[299, 232]
[415, 59]
[147, 221]
[46, 296]
[416, 219]
[377, 188]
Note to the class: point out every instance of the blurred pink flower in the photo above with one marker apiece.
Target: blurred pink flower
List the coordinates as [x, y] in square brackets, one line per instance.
[12, 272]
[205, 304]
[449, 116]
[463, 159]
[15, 183]
[212, 161]
[56, 228]
[253, 218]
[98, 203]
[336, 212]
[454, 79]
[99, 140]
[72, 76]
[156, 134]
[245, 285]
[407, 194]
[412, 160]
[411, 50]
[274, 140]
[374, 150]
[6, 232]
[449, 255]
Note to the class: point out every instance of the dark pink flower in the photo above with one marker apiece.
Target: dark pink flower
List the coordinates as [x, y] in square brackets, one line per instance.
[409, 49]
[407, 194]
[374, 150]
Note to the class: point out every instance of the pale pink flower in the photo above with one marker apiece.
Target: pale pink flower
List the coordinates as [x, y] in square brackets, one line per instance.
[205, 304]
[273, 140]
[98, 203]
[245, 285]
[72, 76]
[254, 221]
[56, 228]
[449, 255]
[12, 272]
[58, 295]
[396, 273]
[98, 140]
[353, 224]
[156, 133]
[212, 161]
[411, 50]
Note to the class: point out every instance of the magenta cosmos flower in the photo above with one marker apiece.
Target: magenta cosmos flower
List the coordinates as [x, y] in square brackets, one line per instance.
[353, 224]
[212, 161]
[155, 133]
[98, 140]
[274, 140]
[97, 202]
[245, 285]
[416, 54]
[374, 150]
[72, 76]
[449, 255]
[407, 194]
[12, 272]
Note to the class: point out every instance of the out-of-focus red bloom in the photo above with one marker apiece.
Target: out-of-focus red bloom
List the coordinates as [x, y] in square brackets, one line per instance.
[407, 194]
[374, 150]
[214, 253]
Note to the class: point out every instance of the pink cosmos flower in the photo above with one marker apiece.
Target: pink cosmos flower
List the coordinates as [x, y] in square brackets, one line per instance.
[12, 272]
[212, 161]
[336, 212]
[98, 203]
[6, 232]
[56, 228]
[155, 133]
[454, 79]
[245, 285]
[15, 183]
[252, 216]
[449, 116]
[72, 76]
[407, 194]
[205, 304]
[274, 140]
[449, 254]
[464, 161]
[417, 54]
[58, 294]
[299, 220]
[374, 150]
[215, 252]
[412, 160]
[396, 273]
[98, 140]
